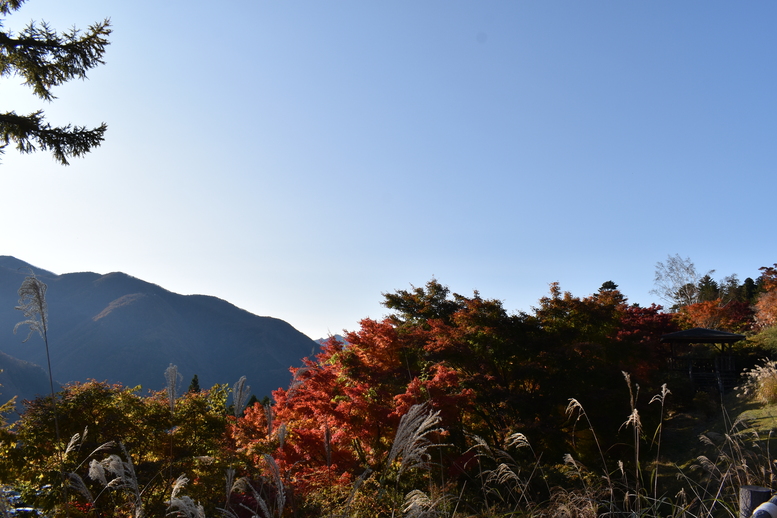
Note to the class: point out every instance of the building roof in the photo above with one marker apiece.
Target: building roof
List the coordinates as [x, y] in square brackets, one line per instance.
[700, 335]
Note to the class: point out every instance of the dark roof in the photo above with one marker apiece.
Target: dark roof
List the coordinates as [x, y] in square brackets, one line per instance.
[699, 335]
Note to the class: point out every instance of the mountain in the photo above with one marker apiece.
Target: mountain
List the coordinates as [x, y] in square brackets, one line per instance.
[339, 338]
[122, 329]
[22, 379]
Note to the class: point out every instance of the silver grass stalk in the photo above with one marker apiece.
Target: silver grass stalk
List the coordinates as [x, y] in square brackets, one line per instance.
[97, 472]
[240, 393]
[116, 483]
[504, 474]
[229, 475]
[77, 441]
[120, 469]
[633, 420]
[132, 480]
[480, 446]
[242, 485]
[707, 464]
[661, 399]
[179, 484]
[114, 465]
[419, 505]
[72, 444]
[173, 379]
[706, 440]
[185, 507]
[517, 440]
[507, 472]
[123, 473]
[357, 484]
[103, 447]
[77, 483]
[281, 435]
[661, 396]
[280, 501]
[569, 460]
[239, 485]
[32, 303]
[636, 424]
[296, 380]
[411, 444]
[575, 407]
[268, 412]
[416, 504]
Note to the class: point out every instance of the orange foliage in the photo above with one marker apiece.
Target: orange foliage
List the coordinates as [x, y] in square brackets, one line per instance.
[443, 388]
[769, 277]
[486, 371]
[342, 410]
[714, 314]
[766, 306]
[766, 309]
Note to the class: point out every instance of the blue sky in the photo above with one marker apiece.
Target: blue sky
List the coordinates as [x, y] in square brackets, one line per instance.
[300, 158]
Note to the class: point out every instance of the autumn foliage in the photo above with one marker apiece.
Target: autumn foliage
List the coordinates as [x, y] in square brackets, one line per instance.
[766, 306]
[339, 415]
[483, 372]
[486, 371]
[732, 316]
[110, 419]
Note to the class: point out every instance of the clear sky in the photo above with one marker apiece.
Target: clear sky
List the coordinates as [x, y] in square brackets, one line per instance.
[300, 158]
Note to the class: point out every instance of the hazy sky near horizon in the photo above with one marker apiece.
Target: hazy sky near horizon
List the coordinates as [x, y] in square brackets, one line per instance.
[298, 159]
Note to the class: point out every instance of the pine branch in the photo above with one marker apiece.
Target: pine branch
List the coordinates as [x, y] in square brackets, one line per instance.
[31, 133]
[45, 58]
[6, 6]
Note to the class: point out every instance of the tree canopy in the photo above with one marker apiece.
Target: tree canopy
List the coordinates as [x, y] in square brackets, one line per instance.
[44, 59]
[486, 371]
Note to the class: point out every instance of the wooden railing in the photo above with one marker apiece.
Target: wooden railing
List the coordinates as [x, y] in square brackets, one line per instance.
[719, 371]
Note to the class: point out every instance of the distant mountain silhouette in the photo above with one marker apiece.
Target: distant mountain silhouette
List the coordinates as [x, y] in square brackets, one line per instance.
[22, 379]
[339, 338]
[119, 328]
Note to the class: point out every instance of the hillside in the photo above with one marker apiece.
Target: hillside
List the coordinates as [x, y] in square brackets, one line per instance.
[22, 379]
[122, 329]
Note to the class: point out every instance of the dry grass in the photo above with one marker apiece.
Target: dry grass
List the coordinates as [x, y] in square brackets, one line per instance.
[761, 383]
[411, 444]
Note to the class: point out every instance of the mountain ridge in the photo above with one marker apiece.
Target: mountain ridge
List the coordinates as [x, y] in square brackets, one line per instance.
[119, 328]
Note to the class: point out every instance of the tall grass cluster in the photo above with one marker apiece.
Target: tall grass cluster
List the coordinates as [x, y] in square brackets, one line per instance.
[760, 383]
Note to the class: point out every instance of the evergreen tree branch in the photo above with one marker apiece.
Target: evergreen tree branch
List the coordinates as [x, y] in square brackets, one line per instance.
[6, 6]
[31, 132]
[46, 59]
